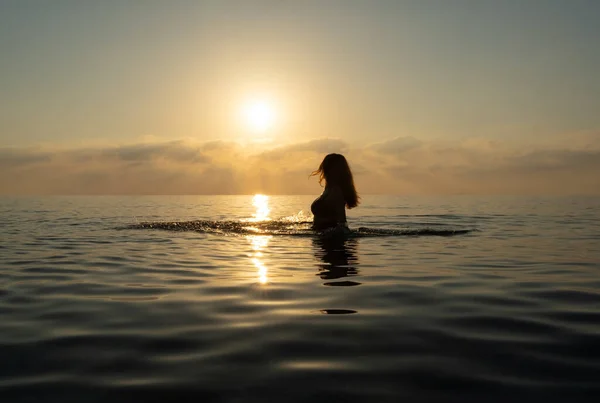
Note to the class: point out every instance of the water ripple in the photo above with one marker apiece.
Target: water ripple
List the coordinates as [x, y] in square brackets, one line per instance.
[93, 313]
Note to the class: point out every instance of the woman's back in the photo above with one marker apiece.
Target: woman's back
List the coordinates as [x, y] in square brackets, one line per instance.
[329, 209]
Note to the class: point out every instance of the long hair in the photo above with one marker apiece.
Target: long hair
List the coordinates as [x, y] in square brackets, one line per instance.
[334, 169]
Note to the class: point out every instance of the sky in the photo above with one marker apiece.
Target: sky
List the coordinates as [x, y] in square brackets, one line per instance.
[423, 97]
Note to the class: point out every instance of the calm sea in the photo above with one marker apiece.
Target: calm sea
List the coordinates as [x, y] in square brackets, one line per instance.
[234, 299]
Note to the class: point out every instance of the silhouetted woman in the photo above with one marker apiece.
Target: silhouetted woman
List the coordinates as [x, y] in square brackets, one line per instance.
[329, 209]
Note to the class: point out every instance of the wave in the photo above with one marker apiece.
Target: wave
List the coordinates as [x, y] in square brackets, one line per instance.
[290, 228]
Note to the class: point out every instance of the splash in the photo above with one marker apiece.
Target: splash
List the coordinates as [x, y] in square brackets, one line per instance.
[290, 226]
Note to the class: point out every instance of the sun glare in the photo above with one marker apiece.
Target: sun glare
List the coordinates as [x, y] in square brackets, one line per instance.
[261, 203]
[259, 115]
[260, 242]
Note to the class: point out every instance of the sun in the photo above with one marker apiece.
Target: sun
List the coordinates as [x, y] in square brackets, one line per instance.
[259, 115]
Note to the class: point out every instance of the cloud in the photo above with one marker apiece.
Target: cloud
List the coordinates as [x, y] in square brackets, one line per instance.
[12, 158]
[549, 161]
[398, 145]
[319, 146]
[404, 165]
[177, 151]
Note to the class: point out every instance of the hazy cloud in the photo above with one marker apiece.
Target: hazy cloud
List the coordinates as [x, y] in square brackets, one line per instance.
[12, 158]
[404, 165]
[177, 151]
[397, 145]
[320, 146]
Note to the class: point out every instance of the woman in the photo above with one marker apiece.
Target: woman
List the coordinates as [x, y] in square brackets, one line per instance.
[329, 210]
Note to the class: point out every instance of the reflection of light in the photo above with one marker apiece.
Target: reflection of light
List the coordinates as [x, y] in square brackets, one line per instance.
[259, 242]
[262, 271]
[261, 202]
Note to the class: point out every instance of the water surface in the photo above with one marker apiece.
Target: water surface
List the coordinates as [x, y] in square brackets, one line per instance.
[234, 299]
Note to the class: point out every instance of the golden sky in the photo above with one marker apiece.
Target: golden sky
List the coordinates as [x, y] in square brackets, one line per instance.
[205, 97]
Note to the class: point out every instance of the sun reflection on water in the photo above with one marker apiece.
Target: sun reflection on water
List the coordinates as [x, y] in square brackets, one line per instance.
[261, 202]
[260, 242]
[262, 271]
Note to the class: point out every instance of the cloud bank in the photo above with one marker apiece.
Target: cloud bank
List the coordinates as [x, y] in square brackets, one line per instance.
[403, 165]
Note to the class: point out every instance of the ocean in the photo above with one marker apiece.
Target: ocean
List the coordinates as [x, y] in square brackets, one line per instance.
[235, 299]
